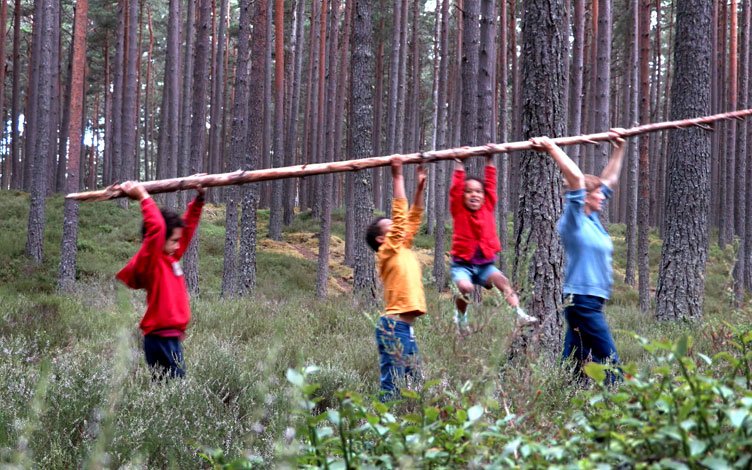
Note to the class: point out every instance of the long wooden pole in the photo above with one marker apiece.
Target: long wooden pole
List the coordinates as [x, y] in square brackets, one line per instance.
[243, 177]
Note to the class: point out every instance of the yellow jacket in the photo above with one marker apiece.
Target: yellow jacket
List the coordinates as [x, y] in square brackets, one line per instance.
[397, 264]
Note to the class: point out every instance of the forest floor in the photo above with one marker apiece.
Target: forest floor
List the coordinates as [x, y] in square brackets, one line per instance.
[75, 391]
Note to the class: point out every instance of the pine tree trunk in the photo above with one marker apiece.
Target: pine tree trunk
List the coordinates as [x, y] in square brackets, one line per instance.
[198, 125]
[543, 113]
[575, 93]
[643, 211]
[327, 181]
[248, 235]
[17, 170]
[62, 144]
[6, 171]
[130, 111]
[361, 106]
[747, 239]
[439, 261]
[377, 128]
[55, 107]
[724, 234]
[148, 164]
[68, 249]
[342, 80]
[392, 106]
[742, 151]
[35, 233]
[470, 62]
[681, 280]
[589, 101]
[487, 73]
[502, 180]
[632, 157]
[217, 129]
[117, 95]
[186, 103]
[238, 143]
[266, 145]
[298, 47]
[603, 89]
[276, 210]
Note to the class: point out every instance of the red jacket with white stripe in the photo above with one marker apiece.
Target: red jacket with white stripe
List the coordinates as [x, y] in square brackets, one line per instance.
[168, 306]
[474, 229]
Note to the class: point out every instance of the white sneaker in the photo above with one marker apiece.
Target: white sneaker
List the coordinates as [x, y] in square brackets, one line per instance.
[523, 318]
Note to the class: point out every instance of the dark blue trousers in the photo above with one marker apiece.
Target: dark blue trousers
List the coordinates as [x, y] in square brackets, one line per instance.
[165, 356]
[398, 355]
[588, 337]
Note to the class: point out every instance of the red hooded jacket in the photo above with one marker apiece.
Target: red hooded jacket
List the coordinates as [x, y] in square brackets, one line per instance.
[474, 229]
[168, 307]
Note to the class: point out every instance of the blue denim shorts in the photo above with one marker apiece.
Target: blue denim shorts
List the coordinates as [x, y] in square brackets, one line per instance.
[477, 274]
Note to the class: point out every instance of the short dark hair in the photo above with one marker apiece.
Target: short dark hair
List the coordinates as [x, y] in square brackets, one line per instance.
[172, 221]
[373, 232]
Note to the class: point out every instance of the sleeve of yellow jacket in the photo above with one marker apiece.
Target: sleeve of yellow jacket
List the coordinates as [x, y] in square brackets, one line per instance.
[398, 265]
[414, 218]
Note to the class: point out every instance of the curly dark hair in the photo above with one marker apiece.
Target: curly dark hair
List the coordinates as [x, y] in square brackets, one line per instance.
[373, 232]
[172, 221]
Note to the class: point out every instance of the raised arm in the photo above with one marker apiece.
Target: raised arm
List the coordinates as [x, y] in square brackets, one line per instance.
[415, 215]
[420, 189]
[191, 219]
[610, 174]
[398, 179]
[572, 173]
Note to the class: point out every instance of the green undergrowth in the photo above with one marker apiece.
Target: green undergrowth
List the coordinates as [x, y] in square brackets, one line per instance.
[76, 392]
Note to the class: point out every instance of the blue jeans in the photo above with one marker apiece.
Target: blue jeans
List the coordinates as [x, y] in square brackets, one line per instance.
[398, 355]
[165, 356]
[477, 274]
[588, 337]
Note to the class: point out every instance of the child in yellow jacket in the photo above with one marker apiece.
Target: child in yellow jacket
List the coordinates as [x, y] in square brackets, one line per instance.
[402, 278]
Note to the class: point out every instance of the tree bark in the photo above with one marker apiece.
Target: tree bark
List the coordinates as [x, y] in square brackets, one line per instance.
[68, 249]
[439, 261]
[276, 210]
[470, 61]
[217, 129]
[603, 89]
[632, 156]
[681, 280]
[643, 211]
[291, 153]
[742, 150]
[543, 113]
[198, 125]
[17, 170]
[248, 235]
[35, 233]
[238, 140]
[186, 103]
[130, 114]
[576, 91]
[361, 109]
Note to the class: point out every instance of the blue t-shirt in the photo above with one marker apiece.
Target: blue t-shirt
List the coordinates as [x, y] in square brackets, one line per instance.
[588, 248]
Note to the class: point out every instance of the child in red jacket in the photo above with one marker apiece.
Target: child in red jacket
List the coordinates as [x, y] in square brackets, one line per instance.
[156, 268]
[475, 244]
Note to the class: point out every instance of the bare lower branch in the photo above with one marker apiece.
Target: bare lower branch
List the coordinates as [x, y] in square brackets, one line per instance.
[297, 171]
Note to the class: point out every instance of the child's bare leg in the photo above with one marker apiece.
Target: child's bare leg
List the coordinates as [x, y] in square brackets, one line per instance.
[502, 283]
[465, 288]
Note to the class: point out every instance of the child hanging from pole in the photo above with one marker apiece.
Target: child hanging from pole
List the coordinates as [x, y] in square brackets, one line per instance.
[475, 244]
[401, 275]
[156, 268]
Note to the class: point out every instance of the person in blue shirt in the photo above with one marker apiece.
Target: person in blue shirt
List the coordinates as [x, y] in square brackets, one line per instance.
[588, 249]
